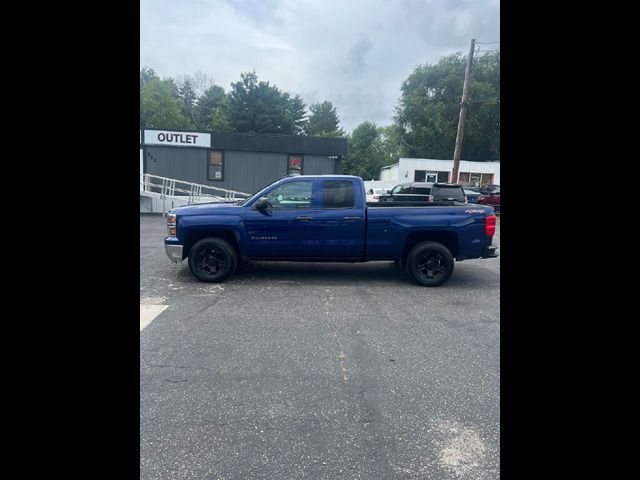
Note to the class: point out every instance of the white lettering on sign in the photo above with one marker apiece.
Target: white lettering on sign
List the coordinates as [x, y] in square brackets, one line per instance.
[177, 139]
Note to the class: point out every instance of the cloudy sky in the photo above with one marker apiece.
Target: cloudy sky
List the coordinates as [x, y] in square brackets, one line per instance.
[354, 53]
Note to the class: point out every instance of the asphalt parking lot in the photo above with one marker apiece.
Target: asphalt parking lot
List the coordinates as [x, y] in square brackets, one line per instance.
[323, 371]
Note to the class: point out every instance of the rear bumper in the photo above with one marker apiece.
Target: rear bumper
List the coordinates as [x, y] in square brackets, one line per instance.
[173, 250]
[489, 252]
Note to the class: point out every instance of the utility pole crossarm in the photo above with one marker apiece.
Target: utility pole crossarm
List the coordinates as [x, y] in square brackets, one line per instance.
[464, 107]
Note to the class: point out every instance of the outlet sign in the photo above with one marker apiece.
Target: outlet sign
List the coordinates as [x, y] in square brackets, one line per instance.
[177, 139]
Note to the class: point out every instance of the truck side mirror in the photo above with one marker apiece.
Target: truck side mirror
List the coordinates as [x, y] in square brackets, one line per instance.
[261, 204]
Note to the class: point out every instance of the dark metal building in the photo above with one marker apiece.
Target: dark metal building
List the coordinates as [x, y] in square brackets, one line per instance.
[243, 162]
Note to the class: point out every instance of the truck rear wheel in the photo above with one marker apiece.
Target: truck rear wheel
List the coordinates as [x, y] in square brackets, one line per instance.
[429, 264]
[212, 259]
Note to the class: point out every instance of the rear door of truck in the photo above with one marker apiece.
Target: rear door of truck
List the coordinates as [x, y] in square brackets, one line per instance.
[340, 221]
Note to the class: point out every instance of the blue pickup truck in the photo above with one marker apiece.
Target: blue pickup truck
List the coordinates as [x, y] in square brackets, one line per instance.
[326, 218]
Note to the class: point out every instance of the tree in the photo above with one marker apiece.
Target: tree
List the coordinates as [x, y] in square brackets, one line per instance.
[159, 108]
[212, 110]
[262, 108]
[146, 75]
[188, 99]
[173, 87]
[298, 115]
[201, 82]
[390, 145]
[219, 119]
[364, 157]
[323, 121]
[429, 107]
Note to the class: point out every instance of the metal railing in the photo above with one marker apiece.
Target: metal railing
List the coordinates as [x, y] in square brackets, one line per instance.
[172, 188]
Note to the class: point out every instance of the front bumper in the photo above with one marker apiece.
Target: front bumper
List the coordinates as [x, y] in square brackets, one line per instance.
[174, 251]
[489, 251]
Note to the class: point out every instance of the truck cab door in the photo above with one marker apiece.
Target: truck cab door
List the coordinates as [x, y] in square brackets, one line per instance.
[286, 229]
[340, 224]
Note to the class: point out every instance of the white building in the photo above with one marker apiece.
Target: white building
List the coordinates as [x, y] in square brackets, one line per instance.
[429, 170]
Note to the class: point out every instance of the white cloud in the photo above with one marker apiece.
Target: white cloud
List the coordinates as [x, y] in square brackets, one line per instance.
[353, 53]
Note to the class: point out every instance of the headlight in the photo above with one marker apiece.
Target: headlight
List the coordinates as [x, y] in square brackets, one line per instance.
[171, 224]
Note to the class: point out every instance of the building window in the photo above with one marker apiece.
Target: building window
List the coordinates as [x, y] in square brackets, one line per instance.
[443, 177]
[487, 179]
[294, 166]
[427, 176]
[216, 165]
[474, 180]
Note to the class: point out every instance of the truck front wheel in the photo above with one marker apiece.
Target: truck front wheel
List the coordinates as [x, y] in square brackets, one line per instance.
[429, 264]
[212, 260]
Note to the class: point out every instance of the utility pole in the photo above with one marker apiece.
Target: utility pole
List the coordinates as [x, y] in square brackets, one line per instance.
[463, 115]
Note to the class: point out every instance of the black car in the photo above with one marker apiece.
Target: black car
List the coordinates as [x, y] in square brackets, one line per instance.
[425, 192]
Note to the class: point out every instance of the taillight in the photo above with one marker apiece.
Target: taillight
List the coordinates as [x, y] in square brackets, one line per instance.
[490, 226]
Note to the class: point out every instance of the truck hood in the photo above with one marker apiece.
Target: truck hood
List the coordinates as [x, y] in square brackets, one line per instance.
[214, 208]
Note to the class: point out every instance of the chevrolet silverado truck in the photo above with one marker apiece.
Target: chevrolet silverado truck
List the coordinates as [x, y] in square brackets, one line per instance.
[325, 218]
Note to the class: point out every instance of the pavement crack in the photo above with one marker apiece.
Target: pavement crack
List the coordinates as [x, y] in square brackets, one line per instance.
[327, 303]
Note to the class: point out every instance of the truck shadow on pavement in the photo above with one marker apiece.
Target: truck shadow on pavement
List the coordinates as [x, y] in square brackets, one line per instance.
[345, 274]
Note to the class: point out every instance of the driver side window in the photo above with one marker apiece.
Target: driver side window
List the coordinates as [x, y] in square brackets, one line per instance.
[291, 195]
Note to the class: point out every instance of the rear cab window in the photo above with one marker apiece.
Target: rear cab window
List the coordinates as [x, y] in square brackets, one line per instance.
[421, 190]
[338, 194]
[441, 192]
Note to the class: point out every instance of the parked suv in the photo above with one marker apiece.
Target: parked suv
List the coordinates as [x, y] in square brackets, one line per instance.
[424, 192]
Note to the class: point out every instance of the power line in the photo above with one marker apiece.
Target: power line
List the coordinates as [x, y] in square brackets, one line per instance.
[488, 43]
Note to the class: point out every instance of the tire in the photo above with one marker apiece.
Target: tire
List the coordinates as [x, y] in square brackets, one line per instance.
[213, 260]
[429, 264]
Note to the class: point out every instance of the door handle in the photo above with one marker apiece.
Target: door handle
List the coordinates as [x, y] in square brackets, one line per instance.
[304, 219]
[352, 218]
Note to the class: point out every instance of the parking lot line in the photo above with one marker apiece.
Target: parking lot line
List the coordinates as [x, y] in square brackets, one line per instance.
[148, 313]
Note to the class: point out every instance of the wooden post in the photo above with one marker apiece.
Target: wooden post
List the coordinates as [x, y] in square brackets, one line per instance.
[463, 115]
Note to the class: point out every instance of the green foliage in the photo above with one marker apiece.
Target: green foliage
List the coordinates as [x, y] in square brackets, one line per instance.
[173, 87]
[212, 110]
[298, 115]
[364, 157]
[429, 108]
[146, 75]
[187, 99]
[323, 121]
[250, 106]
[262, 108]
[390, 144]
[159, 108]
